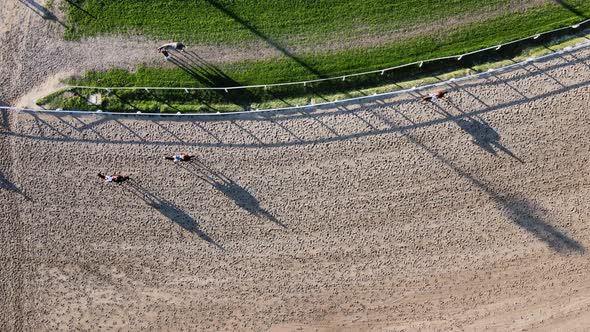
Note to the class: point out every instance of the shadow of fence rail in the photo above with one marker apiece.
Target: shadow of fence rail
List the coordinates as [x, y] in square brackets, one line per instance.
[215, 91]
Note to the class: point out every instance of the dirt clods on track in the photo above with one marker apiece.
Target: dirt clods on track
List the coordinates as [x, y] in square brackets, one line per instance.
[468, 213]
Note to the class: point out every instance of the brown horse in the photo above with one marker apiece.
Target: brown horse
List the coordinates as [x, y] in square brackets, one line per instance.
[434, 96]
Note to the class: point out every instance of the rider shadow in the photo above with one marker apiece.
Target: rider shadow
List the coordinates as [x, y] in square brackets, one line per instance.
[482, 134]
[231, 189]
[169, 210]
[207, 70]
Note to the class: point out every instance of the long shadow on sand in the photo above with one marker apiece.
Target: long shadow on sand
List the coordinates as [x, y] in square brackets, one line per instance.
[231, 189]
[482, 134]
[479, 131]
[6, 184]
[522, 212]
[168, 210]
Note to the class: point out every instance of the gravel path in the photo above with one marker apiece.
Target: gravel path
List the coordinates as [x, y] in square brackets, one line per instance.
[467, 214]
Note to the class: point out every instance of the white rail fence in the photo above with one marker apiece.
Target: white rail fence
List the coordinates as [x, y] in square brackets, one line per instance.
[343, 77]
[328, 103]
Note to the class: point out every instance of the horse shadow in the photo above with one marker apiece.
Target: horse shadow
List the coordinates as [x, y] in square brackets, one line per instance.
[169, 210]
[482, 134]
[231, 189]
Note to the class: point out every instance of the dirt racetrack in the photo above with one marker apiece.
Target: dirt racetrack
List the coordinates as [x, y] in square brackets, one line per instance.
[467, 214]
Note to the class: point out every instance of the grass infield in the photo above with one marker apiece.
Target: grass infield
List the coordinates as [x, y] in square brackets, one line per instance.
[304, 23]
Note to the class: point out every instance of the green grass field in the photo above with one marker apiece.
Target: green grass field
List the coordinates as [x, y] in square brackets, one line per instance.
[430, 29]
[237, 21]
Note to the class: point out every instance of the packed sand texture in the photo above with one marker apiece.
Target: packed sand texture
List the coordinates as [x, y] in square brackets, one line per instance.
[470, 213]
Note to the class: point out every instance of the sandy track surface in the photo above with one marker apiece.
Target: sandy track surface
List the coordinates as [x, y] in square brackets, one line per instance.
[468, 214]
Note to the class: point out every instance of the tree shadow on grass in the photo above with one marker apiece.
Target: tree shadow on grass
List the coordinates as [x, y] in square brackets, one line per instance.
[262, 36]
[571, 8]
[78, 7]
[231, 189]
[168, 210]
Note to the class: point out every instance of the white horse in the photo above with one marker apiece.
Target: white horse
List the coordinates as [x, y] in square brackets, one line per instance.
[172, 46]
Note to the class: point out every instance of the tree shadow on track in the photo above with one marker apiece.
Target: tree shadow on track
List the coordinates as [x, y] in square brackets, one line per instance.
[43, 12]
[8, 185]
[168, 210]
[522, 212]
[231, 189]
